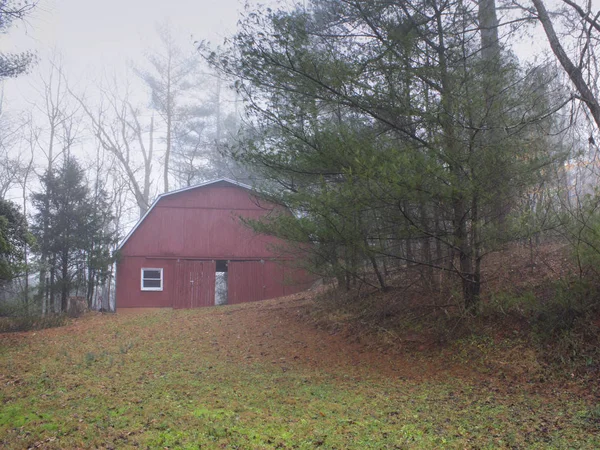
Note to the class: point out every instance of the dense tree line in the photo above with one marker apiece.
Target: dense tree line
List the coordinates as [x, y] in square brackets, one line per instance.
[74, 231]
[400, 133]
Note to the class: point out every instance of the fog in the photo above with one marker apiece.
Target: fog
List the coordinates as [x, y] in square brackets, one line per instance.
[93, 38]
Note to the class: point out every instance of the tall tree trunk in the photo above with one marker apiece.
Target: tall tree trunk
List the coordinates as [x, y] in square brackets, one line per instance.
[170, 109]
[462, 186]
[148, 171]
[490, 44]
[469, 281]
[492, 86]
[45, 229]
[426, 247]
[26, 250]
[90, 285]
[168, 152]
[476, 247]
[378, 273]
[64, 292]
[51, 285]
[439, 253]
[572, 70]
[218, 117]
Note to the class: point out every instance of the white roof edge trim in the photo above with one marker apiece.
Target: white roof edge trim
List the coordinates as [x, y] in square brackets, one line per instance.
[177, 191]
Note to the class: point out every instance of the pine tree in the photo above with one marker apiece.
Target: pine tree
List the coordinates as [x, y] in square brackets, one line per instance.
[14, 238]
[373, 126]
[76, 238]
[14, 64]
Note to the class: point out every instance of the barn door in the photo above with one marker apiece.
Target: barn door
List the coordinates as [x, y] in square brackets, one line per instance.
[246, 281]
[195, 284]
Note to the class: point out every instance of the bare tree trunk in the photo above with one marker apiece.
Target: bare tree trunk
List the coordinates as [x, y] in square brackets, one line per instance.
[439, 253]
[24, 183]
[490, 44]
[52, 112]
[460, 205]
[476, 252]
[218, 117]
[121, 140]
[169, 74]
[64, 292]
[574, 72]
[168, 149]
[426, 247]
[469, 281]
[148, 168]
[51, 299]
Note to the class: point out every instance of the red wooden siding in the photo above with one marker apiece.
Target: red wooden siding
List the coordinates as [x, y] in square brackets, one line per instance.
[249, 281]
[273, 282]
[296, 280]
[129, 276]
[203, 222]
[245, 281]
[195, 284]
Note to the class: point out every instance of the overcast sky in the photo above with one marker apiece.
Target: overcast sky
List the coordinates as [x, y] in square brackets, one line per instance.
[94, 36]
[98, 35]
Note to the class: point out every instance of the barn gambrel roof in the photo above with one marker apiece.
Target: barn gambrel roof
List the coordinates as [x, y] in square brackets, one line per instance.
[178, 191]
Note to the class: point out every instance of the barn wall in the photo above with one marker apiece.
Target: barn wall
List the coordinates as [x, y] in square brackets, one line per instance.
[203, 224]
[250, 281]
[129, 293]
[274, 276]
[217, 196]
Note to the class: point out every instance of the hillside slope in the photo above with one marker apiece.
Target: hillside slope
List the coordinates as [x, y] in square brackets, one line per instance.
[264, 375]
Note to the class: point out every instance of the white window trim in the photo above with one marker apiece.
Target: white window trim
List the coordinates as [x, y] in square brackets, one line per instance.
[162, 282]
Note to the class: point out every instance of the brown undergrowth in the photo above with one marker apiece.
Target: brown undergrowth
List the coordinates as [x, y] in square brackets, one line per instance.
[537, 322]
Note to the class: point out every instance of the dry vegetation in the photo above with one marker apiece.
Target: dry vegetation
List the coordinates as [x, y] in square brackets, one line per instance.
[534, 308]
[289, 373]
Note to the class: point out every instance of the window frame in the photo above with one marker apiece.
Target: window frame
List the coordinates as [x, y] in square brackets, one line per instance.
[162, 280]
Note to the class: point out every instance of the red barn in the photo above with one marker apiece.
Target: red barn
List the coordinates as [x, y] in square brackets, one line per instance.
[172, 255]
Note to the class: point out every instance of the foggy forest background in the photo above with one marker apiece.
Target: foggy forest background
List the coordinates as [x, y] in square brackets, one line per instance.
[406, 137]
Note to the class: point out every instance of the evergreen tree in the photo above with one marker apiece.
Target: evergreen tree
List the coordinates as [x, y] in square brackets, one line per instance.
[14, 238]
[14, 64]
[76, 237]
[375, 125]
[100, 239]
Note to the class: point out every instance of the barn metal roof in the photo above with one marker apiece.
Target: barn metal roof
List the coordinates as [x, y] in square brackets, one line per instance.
[166, 194]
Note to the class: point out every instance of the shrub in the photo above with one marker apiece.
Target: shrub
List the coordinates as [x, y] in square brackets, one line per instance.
[31, 322]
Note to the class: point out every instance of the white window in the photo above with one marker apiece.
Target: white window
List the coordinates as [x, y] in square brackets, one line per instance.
[152, 279]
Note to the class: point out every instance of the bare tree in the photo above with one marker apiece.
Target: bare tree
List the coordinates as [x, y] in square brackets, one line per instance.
[32, 136]
[169, 77]
[119, 201]
[118, 127]
[581, 67]
[12, 162]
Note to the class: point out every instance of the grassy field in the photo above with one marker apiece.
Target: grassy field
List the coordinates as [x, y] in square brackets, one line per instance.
[263, 376]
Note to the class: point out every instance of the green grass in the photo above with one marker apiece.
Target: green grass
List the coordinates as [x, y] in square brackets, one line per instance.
[206, 379]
